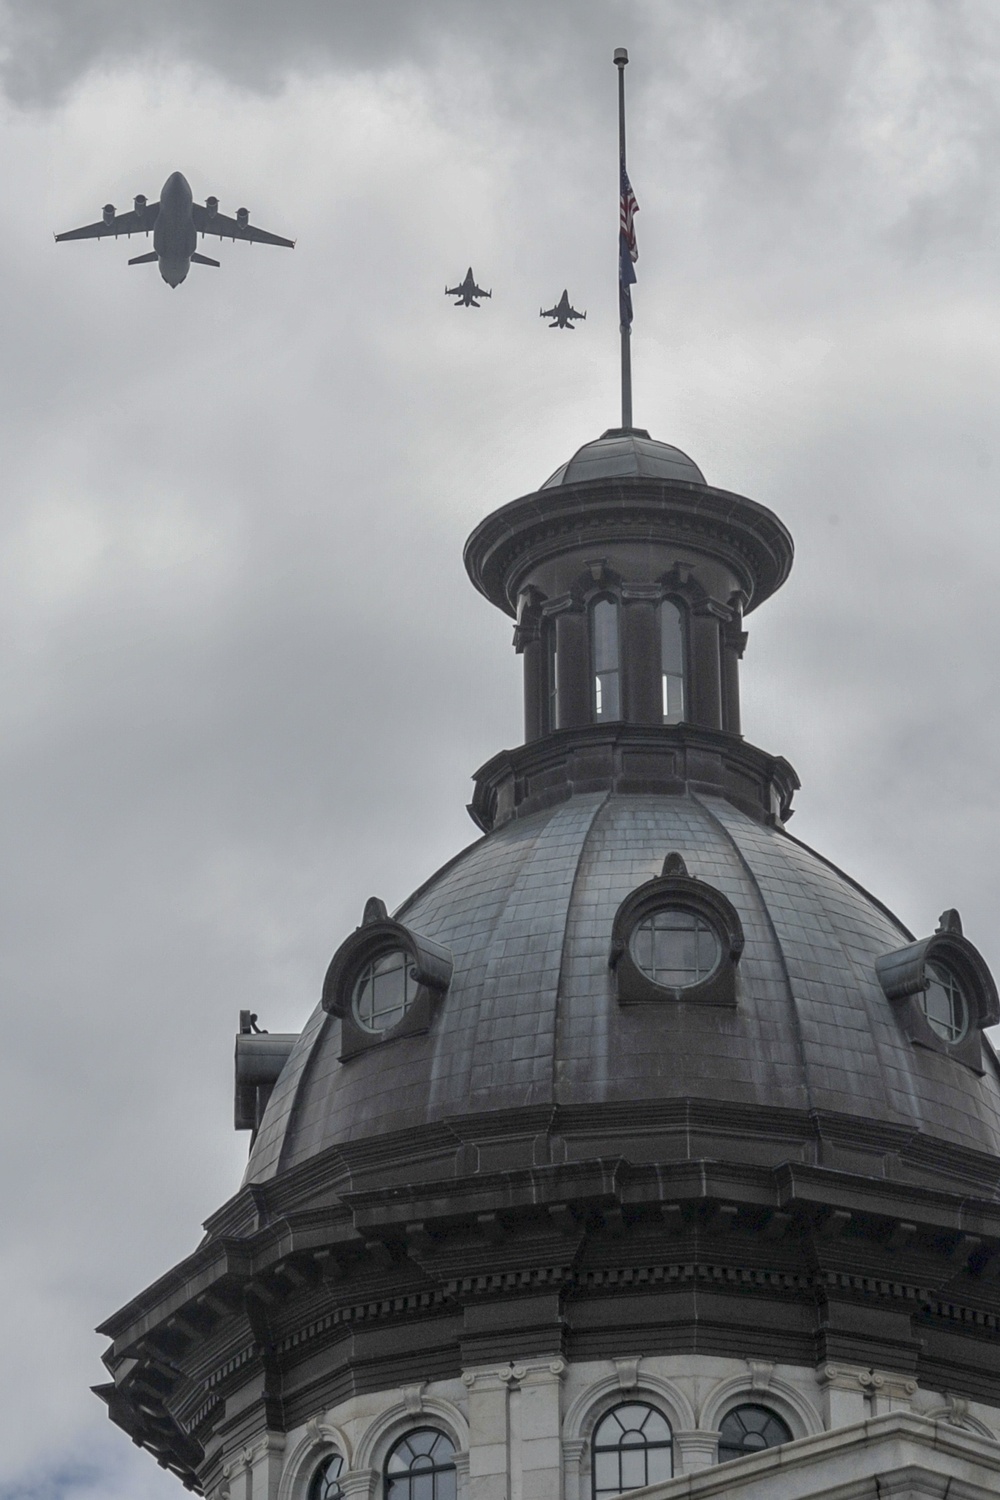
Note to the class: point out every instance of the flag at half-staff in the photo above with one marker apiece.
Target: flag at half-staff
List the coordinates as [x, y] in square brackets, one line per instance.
[628, 252]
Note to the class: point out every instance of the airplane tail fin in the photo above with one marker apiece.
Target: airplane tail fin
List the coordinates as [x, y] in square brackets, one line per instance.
[144, 260]
[204, 260]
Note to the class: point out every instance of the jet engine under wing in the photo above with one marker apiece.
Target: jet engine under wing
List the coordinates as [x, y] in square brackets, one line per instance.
[233, 229]
[131, 222]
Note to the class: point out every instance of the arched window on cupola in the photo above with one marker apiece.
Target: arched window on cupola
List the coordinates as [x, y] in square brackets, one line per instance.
[325, 1483]
[605, 659]
[673, 660]
[632, 1447]
[750, 1429]
[421, 1466]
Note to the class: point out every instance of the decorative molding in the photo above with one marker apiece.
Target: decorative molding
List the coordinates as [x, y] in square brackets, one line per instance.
[628, 1372]
[760, 1382]
[872, 1382]
[413, 1399]
[591, 1405]
[506, 547]
[321, 1436]
[383, 1430]
[695, 1450]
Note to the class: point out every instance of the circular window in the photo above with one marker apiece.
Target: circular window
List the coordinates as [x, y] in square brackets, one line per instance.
[675, 947]
[943, 1002]
[384, 990]
[325, 1483]
[750, 1429]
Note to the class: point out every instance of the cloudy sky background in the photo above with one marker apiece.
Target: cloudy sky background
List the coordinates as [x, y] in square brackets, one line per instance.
[243, 678]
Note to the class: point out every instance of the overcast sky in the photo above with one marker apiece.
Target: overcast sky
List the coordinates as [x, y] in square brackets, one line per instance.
[243, 677]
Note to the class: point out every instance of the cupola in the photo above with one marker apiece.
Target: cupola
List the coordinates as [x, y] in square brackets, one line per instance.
[629, 578]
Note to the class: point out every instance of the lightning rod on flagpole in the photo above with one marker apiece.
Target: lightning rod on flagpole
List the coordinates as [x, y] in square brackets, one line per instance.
[621, 61]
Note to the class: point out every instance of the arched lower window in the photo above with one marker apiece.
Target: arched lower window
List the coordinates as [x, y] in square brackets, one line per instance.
[750, 1429]
[325, 1483]
[421, 1466]
[672, 659]
[631, 1447]
[605, 659]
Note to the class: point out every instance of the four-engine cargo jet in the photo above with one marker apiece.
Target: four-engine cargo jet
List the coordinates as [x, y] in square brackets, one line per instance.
[562, 312]
[466, 291]
[176, 221]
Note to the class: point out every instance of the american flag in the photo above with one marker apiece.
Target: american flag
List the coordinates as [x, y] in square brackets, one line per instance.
[629, 209]
[628, 252]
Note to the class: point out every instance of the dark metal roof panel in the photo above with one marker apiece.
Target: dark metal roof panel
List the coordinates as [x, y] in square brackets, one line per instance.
[531, 1019]
[623, 457]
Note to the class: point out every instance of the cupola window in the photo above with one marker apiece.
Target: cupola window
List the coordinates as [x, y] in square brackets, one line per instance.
[674, 947]
[942, 992]
[551, 678]
[384, 991]
[605, 658]
[325, 1483]
[421, 1466]
[750, 1429]
[632, 1447]
[676, 938]
[672, 655]
[943, 1002]
[384, 982]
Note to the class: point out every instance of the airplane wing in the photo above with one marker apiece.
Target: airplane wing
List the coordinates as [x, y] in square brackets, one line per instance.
[234, 229]
[453, 291]
[127, 223]
[553, 312]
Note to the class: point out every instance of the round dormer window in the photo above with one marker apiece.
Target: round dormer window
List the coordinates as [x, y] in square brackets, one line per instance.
[675, 947]
[384, 991]
[944, 1003]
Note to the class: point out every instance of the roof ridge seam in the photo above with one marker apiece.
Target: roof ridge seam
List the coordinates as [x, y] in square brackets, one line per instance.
[779, 949]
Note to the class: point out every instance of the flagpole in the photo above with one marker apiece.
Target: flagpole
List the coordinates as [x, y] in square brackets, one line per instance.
[621, 61]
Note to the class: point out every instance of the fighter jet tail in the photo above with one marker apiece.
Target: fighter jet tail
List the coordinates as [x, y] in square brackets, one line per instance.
[144, 260]
[204, 260]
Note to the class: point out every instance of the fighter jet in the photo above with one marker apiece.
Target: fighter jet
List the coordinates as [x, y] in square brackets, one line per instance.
[176, 221]
[562, 312]
[466, 291]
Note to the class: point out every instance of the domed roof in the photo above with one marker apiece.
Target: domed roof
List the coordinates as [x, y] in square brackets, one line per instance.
[531, 1018]
[625, 453]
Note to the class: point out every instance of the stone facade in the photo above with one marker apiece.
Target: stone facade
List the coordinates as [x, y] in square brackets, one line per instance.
[524, 1431]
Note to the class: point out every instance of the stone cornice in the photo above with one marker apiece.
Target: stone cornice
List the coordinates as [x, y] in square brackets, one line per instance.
[899, 1454]
[718, 523]
[654, 759]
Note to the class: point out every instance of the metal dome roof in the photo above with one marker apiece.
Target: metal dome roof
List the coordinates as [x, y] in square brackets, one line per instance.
[530, 1017]
[625, 453]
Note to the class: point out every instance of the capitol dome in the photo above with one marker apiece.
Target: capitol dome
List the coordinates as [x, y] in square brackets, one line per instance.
[639, 1139]
[530, 1015]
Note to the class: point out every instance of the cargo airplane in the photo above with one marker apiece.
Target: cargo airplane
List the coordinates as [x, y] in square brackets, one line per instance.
[176, 222]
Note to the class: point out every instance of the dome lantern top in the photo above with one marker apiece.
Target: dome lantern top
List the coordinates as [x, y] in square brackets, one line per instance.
[629, 578]
[626, 452]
